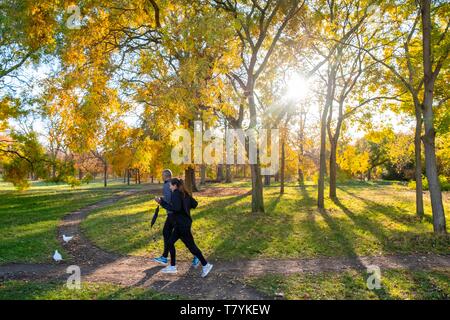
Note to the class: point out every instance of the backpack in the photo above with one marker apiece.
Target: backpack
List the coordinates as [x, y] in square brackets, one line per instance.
[189, 200]
[194, 203]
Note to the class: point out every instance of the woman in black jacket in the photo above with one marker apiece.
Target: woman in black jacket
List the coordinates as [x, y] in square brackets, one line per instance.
[181, 204]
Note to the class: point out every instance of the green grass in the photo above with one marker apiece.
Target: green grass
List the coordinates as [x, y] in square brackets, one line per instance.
[395, 284]
[369, 219]
[24, 290]
[41, 185]
[29, 219]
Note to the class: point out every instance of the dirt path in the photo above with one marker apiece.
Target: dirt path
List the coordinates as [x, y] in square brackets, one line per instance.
[225, 282]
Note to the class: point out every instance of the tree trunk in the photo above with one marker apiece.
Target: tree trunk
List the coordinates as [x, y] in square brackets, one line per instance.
[202, 174]
[255, 169]
[322, 165]
[333, 169]
[125, 176]
[283, 160]
[219, 177]
[128, 176]
[334, 138]
[228, 176]
[194, 181]
[189, 179]
[439, 225]
[276, 177]
[301, 175]
[105, 173]
[267, 180]
[257, 188]
[418, 164]
[323, 136]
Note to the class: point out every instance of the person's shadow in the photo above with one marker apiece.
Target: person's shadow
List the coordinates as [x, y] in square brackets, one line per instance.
[149, 273]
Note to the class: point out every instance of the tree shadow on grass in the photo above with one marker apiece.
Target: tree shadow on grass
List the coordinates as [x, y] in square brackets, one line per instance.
[331, 238]
[397, 240]
[435, 285]
[134, 231]
[270, 208]
[307, 200]
[364, 223]
[221, 203]
[390, 211]
[347, 240]
[338, 237]
[237, 233]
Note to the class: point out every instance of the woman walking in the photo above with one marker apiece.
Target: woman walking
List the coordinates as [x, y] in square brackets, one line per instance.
[181, 204]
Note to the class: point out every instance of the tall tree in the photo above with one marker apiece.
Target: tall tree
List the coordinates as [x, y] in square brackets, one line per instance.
[258, 26]
[337, 23]
[432, 64]
[418, 74]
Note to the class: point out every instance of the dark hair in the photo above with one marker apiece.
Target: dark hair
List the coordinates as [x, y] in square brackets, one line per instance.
[180, 186]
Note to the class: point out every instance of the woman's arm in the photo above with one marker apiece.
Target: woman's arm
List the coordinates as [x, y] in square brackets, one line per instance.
[175, 204]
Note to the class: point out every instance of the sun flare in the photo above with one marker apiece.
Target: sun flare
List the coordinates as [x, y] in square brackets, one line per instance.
[297, 87]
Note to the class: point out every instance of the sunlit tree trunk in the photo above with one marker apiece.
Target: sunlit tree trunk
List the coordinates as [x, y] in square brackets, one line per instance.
[283, 162]
[301, 176]
[333, 170]
[323, 136]
[439, 224]
[255, 169]
[418, 164]
[334, 138]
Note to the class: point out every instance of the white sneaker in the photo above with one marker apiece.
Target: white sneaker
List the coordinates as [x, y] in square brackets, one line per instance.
[206, 269]
[169, 269]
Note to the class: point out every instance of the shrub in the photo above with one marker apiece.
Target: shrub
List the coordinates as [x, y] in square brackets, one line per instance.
[343, 176]
[87, 178]
[443, 181]
[72, 181]
[16, 172]
[411, 185]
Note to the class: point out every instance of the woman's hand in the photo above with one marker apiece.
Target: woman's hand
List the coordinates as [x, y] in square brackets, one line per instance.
[158, 200]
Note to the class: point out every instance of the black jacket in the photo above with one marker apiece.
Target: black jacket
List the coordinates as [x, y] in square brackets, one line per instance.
[180, 205]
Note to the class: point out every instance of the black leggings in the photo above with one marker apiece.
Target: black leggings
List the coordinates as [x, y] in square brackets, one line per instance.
[183, 232]
[167, 232]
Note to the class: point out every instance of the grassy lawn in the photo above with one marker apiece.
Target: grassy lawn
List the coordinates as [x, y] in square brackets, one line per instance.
[369, 219]
[23, 290]
[29, 219]
[395, 284]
